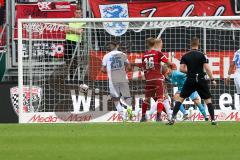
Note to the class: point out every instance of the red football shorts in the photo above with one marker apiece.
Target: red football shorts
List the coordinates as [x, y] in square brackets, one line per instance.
[154, 88]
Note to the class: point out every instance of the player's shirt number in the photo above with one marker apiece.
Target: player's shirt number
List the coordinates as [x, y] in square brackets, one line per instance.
[149, 62]
[116, 63]
[237, 60]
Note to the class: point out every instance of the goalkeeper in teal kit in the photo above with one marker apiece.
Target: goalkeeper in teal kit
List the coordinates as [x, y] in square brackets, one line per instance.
[178, 78]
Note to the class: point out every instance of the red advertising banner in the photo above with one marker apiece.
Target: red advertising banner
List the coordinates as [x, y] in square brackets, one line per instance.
[48, 10]
[110, 9]
[53, 6]
[172, 9]
[169, 9]
[218, 61]
[36, 11]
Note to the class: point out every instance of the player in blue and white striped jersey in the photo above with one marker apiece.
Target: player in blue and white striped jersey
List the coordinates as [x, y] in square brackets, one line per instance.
[235, 62]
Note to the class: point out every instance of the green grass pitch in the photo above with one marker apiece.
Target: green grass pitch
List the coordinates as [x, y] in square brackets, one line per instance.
[119, 141]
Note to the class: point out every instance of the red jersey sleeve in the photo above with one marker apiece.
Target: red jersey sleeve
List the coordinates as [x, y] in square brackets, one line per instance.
[162, 57]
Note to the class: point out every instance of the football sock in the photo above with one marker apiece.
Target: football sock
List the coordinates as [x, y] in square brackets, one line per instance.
[159, 107]
[182, 109]
[167, 107]
[144, 108]
[202, 110]
[153, 108]
[176, 109]
[211, 111]
[119, 108]
[128, 101]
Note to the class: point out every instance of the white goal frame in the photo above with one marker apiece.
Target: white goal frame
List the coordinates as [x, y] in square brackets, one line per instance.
[69, 20]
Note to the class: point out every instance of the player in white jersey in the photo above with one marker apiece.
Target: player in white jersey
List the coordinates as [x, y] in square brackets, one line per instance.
[115, 64]
[235, 62]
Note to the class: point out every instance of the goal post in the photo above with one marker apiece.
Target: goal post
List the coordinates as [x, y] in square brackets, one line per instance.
[60, 79]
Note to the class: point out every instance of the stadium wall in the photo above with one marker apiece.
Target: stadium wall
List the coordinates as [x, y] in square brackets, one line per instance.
[7, 113]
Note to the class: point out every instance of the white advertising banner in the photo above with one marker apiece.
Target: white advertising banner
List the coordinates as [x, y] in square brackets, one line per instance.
[113, 116]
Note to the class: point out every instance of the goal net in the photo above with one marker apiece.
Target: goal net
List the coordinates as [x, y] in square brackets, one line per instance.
[59, 62]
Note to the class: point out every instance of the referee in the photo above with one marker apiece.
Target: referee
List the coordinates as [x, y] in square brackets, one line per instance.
[193, 64]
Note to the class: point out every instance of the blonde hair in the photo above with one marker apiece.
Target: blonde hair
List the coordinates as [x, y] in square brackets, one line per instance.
[158, 41]
[151, 42]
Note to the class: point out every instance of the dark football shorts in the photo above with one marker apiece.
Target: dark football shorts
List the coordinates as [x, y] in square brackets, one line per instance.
[191, 85]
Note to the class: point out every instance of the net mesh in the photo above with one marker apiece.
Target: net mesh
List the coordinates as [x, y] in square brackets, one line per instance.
[59, 66]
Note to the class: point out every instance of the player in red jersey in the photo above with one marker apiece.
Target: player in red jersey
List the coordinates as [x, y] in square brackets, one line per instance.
[151, 64]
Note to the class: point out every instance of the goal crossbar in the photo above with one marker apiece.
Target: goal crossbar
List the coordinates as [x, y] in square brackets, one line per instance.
[137, 19]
